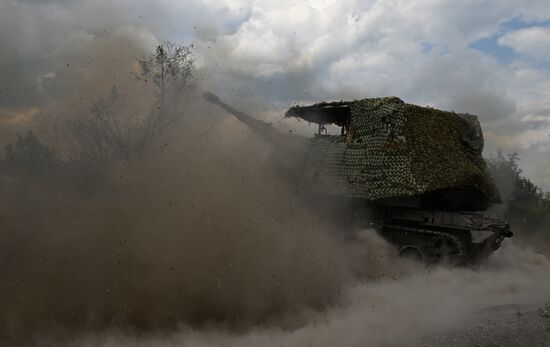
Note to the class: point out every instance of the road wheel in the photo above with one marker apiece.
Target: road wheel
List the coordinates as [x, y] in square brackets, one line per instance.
[412, 252]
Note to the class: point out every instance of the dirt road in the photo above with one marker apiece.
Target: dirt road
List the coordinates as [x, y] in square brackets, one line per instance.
[508, 325]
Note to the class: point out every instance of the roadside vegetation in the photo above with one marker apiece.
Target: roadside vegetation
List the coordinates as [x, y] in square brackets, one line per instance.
[525, 204]
[78, 148]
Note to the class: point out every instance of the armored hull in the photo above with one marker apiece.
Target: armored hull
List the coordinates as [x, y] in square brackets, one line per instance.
[418, 172]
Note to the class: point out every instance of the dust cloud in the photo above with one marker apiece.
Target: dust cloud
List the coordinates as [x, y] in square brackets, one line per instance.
[206, 243]
[387, 311]
[203, 233]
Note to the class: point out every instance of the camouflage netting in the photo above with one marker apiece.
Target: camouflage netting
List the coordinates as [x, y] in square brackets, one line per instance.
[395, 149]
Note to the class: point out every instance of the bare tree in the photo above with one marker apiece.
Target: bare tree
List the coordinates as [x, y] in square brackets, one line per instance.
[170, 69]
[109, 133]
[102, 135]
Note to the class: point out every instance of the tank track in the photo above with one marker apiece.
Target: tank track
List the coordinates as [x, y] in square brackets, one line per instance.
[435, 246]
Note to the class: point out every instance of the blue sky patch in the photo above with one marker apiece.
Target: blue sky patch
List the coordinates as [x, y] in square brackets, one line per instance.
[503, 54]
[429, 47]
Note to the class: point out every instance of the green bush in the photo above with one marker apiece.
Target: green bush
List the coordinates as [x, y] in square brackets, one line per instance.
[524, 203]
[28, 156]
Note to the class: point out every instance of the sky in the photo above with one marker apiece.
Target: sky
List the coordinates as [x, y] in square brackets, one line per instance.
[490, 58]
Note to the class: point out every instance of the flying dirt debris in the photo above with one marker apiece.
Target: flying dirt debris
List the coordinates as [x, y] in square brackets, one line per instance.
[416, 173]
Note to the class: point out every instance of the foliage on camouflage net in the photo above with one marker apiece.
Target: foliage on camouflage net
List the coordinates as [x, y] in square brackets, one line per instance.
[395, 149]
[440, 155]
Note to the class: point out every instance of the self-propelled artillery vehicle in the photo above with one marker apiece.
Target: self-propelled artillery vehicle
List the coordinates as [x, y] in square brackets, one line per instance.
[415, 173]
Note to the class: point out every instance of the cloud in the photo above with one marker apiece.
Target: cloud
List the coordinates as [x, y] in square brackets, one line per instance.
[25, 117]
[532, 42]
[487, 104]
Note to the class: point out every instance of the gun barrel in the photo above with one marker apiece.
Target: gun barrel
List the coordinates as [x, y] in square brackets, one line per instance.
[259, 126]
[291, 145]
